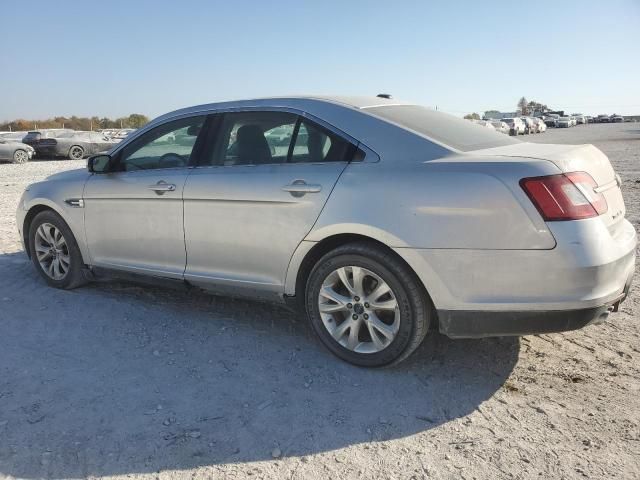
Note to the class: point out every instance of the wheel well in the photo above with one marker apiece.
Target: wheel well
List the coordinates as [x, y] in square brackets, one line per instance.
[330, 243]
[33, 211]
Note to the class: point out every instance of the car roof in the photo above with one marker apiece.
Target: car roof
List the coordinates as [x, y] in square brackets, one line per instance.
[301, 102]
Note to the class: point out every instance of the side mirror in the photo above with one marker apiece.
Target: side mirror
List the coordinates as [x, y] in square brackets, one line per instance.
[99, 163]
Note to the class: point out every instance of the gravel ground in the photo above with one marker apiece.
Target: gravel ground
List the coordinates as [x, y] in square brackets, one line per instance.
[120, 380]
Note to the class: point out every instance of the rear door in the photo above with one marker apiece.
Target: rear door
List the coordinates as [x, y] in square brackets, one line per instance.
[257, 195]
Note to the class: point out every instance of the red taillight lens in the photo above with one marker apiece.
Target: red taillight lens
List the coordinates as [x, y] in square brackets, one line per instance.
[568, 196]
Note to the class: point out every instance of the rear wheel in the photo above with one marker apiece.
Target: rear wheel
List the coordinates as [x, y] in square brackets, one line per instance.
[366, 305]
[54, 251]
[20, 156]
[76, 152]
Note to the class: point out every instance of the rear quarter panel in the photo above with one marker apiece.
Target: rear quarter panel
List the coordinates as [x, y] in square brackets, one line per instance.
[455, 202]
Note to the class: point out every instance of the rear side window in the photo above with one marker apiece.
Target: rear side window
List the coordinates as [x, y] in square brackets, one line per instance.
[264, 138]
[446, 129]
[254, 138]
[315, 144]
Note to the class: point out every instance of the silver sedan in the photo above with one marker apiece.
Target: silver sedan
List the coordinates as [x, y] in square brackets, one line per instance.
[14, 151]
[380, 220]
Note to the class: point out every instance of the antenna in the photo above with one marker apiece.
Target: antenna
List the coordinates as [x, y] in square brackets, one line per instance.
[384, 95]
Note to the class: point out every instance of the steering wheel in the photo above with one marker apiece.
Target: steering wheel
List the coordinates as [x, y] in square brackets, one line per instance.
[172, 158]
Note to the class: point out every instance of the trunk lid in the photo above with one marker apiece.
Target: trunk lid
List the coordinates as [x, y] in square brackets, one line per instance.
[574, 158]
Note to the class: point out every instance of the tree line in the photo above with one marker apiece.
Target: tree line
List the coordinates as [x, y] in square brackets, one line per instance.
[524, 107]
[135, 120]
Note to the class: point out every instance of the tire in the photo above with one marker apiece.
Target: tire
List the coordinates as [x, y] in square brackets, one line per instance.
[68, 255]
[20, 156]
[76, 152]
[406, 314]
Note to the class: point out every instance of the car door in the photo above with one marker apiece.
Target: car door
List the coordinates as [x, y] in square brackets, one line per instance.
[134, 214]
[261, 188]
[6, 150]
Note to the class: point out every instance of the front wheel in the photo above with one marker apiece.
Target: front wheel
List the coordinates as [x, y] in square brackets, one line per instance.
[366, 305]
[54, 251]
[20, 156]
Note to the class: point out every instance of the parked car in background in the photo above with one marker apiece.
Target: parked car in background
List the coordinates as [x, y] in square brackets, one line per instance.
[580, 119]
[75, 145]
[603, 118]
[15, 152]
[123, 133]
[565, 122]
[590, 119]
[539, 125]
[484, 123]
[371, 272]
[500, 126]
[14, 136]
[34, 137]
[551, 120]
[516, 125]
[529, 125]
[617, 118]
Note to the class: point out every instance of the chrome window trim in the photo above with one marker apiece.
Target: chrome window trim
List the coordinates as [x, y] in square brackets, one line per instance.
[208, 111]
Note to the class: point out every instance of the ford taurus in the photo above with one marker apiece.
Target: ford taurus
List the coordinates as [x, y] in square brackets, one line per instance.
[382, 220]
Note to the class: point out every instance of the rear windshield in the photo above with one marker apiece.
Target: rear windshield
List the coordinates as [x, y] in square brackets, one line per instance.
[452, 131]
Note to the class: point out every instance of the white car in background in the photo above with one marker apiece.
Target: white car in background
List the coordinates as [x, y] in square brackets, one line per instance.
[529, 125]
[500, 126]
[564, 122]
[516, 125]
[580, 119]
[540, 125]
[122, 134]
[484, 123]
[551, 120]
[13, 136]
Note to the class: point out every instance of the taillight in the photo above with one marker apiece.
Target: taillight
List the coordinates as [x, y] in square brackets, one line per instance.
[567, 196]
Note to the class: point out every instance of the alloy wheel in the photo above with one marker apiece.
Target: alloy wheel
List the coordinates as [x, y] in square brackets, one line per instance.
[359, 309]
[20, 156]
[52, 251]
[76, 153]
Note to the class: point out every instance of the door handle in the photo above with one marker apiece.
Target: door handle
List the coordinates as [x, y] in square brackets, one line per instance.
[161, 187]
[298, 188]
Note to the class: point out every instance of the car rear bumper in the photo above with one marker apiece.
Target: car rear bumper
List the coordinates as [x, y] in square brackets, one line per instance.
[478, 324]
[511, 292]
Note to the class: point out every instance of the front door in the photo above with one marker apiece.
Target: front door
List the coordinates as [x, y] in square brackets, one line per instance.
[263, 186]
[134, 215]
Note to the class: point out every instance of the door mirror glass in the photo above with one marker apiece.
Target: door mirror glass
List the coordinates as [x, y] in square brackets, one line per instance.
[98, 163]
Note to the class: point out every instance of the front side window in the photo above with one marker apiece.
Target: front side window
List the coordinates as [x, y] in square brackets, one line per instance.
[167, 146]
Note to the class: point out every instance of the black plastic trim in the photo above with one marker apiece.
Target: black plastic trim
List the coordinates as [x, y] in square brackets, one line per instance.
[477, 324]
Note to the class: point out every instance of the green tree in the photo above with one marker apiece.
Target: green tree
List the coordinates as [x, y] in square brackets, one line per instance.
[492, 114]
[472, 116]
[523, 106]
[137, 120]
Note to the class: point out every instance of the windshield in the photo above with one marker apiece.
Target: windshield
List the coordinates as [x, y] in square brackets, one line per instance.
[443, 128]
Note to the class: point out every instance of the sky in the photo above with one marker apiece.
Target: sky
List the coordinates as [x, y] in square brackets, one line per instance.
[119, 57]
